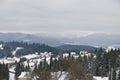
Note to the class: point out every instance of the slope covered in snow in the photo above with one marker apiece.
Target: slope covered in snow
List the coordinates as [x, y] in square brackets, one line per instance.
[99, 78]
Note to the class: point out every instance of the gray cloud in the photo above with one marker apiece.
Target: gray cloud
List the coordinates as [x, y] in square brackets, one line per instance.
[63, 17]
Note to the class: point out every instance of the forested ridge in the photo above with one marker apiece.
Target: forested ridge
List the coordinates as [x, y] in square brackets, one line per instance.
[28, 48]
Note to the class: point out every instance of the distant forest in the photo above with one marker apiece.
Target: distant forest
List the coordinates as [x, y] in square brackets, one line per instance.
[28, 48]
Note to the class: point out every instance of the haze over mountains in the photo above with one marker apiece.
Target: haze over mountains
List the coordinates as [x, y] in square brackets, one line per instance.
[93, 39]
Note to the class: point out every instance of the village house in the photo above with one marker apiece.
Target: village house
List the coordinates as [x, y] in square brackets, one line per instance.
[65, 55]
[85, 53]
[72, 54]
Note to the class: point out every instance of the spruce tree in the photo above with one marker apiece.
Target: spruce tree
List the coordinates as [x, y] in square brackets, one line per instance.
[6, 72]
[18, 70]
[51, 63]
[1, 76]
[55, 65]
[114, 75]
[98, 62]
[113, 63]
[118, 75]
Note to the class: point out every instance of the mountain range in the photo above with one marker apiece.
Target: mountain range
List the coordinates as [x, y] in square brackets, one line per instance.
[99, 40]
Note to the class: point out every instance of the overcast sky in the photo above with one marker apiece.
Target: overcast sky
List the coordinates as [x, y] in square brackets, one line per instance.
[60, 17]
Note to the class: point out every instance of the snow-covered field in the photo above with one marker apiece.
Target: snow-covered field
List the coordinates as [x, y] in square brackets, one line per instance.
[99, 78]
[12, 73]
[12, 76]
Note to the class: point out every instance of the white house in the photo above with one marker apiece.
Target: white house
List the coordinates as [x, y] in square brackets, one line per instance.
[65, 55]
